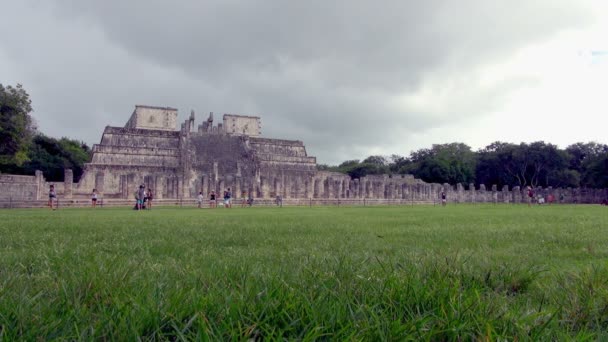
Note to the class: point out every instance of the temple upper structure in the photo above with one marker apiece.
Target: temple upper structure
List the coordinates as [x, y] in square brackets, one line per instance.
[149, 117]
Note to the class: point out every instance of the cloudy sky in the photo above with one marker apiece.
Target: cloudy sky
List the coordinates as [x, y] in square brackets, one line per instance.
[350, 78]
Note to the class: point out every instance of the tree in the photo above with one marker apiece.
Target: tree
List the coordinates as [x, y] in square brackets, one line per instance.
[16, 125]
[399, 164]
[376, 160]
[596, 172]
[349, 163]
[491, 164]
[586, 159]
[534, 164]
[445, 163]
[52, 157]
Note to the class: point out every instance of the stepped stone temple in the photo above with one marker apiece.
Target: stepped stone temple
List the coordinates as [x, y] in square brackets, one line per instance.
[232, 154]
[178, 164]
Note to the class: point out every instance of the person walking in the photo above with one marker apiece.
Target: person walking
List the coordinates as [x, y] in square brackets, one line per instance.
[227, 198]
[150, 197]
[279, 201]
[141, 195]
[444, 200]
[52, 197]
[199, 199]
[250, 199]
[212, 200]
[530, 196]
[94, 198]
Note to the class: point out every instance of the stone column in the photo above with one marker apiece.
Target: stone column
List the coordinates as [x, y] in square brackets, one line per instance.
[180, 187]
[472, 192]
[263, 186]
[295, 187]
[284, 186]
[205, 186]
[505, 194]
[306, 188]
[99, 182]
[159, 182]
[215, 174]
[236, 187]
[276, 188]
[39, 184]
[459, 193]
[495, 193]
[68, 180]
[516, 194]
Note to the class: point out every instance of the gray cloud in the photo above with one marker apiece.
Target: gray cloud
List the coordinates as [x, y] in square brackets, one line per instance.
[332, 74]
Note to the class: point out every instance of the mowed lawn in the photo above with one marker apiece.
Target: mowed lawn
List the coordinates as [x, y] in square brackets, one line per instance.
[324, 273]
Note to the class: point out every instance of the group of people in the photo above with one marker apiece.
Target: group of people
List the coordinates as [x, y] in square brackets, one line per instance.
[540, 199]
[227, 199]
[143, 198]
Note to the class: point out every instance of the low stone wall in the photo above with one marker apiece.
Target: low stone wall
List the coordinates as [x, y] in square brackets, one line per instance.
[237, 203]
[20, 187]
[326, 188]
[520, 195]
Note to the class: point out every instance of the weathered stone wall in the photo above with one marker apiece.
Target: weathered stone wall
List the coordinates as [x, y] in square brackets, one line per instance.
[156, 118]
[128, 157]
[20, 187]
[242, 125]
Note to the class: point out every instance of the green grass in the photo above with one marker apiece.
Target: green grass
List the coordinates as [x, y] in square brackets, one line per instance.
[383, 273]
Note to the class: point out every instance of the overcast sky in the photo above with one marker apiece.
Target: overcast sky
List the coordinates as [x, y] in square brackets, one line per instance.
[349, 78]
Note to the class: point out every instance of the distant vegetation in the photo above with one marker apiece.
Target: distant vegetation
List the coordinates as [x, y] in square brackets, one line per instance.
[500, 163]
[23, 149]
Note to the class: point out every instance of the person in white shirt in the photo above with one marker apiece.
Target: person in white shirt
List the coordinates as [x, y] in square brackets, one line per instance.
[94, 198]
[200, 199]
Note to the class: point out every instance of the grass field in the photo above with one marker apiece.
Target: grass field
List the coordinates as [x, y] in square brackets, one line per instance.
[323, 273]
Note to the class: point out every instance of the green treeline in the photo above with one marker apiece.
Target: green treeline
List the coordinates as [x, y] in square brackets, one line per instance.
[23, 149]
[500, 163]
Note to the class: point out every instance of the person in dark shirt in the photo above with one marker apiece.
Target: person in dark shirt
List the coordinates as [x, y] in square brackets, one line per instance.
[212, 200]
[52, 197]
[227, 198]
[141, 195]
[149, 197]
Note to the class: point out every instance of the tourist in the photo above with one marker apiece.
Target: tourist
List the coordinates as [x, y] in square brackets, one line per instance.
[250, 199]
[227, 198]
[94, 198]
[199, 199]
[530, 196]
[541, 200]
[279, 201]
[52, 197]
[141, 195]
[212, 200]
[149, 197]
[444, 200]
[550, 199]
